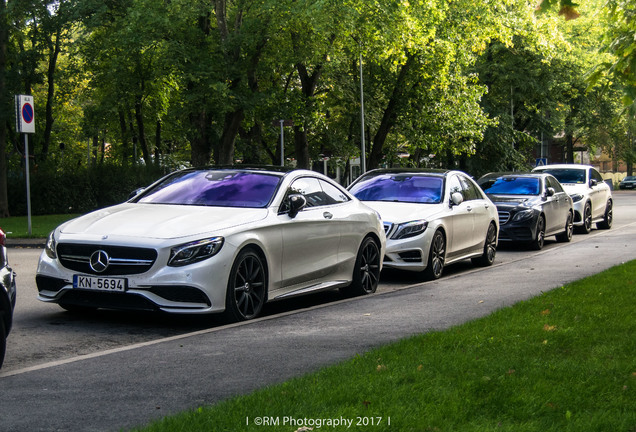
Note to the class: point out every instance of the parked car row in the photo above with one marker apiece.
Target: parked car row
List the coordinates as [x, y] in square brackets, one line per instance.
[228, 240]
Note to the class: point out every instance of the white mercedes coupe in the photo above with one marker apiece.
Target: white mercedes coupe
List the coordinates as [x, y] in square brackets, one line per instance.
[215, 240]
[432, 218]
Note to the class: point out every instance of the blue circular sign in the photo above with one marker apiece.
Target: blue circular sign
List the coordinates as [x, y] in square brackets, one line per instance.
[27, 112]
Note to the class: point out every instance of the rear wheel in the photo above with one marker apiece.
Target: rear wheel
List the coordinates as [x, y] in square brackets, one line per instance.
[490, 248]
[366, 273]
[608, 218]
[436, 257]
[246, 287]
[566, 235]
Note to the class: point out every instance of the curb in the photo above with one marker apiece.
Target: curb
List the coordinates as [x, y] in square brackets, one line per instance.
[26, 243]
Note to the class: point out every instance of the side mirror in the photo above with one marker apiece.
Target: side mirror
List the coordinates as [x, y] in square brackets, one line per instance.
[593, 182]
[456, 199]
[296, 203]
[549, 191]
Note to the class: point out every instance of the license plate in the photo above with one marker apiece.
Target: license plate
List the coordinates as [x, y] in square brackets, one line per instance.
[100, 283]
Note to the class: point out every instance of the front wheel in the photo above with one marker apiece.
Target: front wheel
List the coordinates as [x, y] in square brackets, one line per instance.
[539, 238]
[366, 273]
[490, 248]
[566, 235]
[608, 217]
[246, 287]
[436, 257]
[587, 220]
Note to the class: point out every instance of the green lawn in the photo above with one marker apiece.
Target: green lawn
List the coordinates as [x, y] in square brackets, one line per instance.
[563, 361]
[41, 226]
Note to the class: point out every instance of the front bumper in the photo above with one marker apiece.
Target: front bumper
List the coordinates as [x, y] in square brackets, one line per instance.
[194, 289]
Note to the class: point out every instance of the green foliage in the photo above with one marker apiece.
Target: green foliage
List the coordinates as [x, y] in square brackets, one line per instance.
[80, 190]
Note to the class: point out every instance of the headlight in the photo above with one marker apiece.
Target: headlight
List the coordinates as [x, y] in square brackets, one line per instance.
[409, 229]
[576, 197]
[50, 246]
[523, 215]
[195, 251]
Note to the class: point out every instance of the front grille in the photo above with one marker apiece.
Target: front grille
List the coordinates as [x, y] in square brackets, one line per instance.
[411, 256]
[181, 294]
[107, 300]
[123, 260]
[47, 283]
[503, 217]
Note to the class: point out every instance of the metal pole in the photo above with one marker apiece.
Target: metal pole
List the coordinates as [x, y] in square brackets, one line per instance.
[28, 182]
[363, 151]
[282, 143]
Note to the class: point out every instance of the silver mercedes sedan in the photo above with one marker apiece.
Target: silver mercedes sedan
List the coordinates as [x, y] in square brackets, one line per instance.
[215, 240]
[432, 218]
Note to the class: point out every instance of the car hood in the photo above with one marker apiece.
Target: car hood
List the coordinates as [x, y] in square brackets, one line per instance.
[512, 200]
[158, 221]
[398, 212]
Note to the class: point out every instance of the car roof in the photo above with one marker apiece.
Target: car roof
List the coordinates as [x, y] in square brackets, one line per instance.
[433, 171]
[561, 166]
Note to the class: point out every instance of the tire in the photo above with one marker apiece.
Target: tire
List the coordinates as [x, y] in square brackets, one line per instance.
[539, 239]
[608, 218]
[366, 273]
[587, 220]
[566, 235]
[490, 248]
[3, 341]
[436, 257]
[246, 287]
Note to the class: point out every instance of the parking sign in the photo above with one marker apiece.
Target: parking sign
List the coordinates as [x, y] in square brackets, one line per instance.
[24, 114]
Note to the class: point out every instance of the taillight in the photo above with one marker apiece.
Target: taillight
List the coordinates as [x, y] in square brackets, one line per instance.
[3, 238]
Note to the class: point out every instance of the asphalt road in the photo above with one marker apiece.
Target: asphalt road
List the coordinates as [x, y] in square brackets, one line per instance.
[111, 371]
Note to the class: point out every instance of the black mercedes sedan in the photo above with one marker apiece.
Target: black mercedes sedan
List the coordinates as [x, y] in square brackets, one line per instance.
[531, 207]
[7, 296]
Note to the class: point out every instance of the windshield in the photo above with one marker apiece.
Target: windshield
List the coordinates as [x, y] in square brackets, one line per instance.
[514, 186]
[223, 188]
[406, 187]
[567, 175]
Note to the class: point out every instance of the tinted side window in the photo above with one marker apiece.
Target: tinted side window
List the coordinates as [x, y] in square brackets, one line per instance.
[554, 184]
[455, 186]
[333, 194]
[470, 190]
[595, 175]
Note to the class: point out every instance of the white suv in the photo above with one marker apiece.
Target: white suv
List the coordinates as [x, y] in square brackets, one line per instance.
[592, 197]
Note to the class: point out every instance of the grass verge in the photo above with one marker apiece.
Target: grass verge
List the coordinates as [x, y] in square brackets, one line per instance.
[41, 226]
[563, 361]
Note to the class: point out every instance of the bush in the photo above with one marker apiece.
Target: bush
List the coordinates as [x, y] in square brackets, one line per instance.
[83, 189]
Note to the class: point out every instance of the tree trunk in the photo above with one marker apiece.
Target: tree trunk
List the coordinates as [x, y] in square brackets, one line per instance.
[201, 147]
[390, 115]
[4, 199]
[55, 51]
[139, 117]
[230, 130]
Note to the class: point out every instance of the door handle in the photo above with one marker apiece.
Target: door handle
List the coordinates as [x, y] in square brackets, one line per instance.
[469, 208]
[327, 215]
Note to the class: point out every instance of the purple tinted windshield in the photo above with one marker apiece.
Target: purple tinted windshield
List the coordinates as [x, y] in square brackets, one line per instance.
[414, 188]
[515, 186]
[224, 188]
